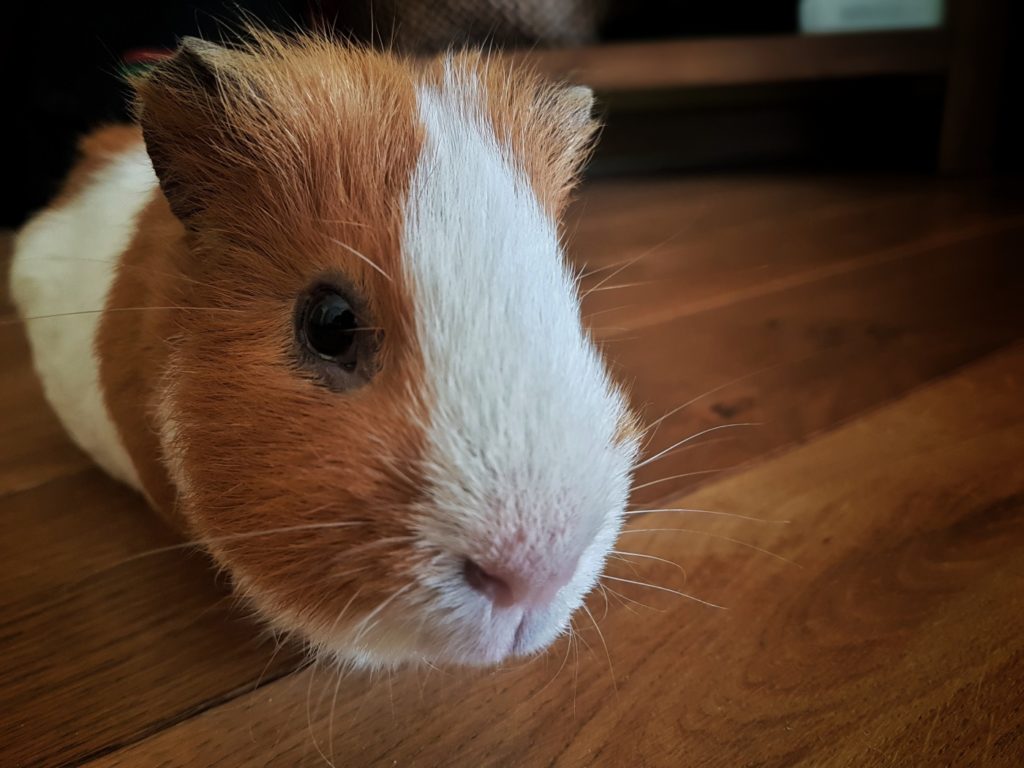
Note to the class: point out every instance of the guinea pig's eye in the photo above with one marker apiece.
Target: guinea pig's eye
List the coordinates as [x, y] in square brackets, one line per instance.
[330, 328]
[334, 338]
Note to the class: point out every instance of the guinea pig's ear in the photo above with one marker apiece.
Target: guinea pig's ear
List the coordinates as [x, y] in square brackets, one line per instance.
[183, 105]
[567, 110]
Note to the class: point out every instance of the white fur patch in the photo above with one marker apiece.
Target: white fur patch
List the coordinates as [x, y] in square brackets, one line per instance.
[522, 461]
[65, 261]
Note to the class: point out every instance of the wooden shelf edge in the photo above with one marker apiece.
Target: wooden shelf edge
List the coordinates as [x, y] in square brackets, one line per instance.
[741, 61]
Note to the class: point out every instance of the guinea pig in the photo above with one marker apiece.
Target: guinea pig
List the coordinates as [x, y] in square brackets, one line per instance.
[315, 308]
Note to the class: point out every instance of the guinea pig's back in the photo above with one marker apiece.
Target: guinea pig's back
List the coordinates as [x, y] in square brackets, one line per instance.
[65, 262]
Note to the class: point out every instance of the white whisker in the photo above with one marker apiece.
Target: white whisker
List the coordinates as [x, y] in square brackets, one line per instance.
[719, 388]
[632, 512]
[667, 589]
[357, 254]
[673, 563]
[686, 440]
[617, 286]
[10, 321]
[608, 277]
[592, 315]
[679, 477]
[711, 535]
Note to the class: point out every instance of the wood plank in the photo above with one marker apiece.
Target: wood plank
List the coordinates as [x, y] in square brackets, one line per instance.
[826, 351]
[100, 645]
[848, 341]
[744, 60]
[721, 240]
[826, 301]
[36, 448]
[896, 637]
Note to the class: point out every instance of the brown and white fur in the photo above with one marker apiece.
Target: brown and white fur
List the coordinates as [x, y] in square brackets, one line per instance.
[457, 505]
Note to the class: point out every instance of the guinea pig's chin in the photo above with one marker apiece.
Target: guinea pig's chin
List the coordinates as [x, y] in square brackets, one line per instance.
[506, 637]
[487, 643]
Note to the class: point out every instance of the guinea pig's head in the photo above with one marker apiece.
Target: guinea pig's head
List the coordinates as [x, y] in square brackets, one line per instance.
[381, 411]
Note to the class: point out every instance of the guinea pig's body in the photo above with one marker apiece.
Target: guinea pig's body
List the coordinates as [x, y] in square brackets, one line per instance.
[316, 311]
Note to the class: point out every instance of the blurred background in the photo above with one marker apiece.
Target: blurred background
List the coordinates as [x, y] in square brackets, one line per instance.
[924, 86]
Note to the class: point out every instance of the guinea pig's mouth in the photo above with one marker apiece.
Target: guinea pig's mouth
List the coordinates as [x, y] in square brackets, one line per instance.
[505, 638]
[451, 622]
[483, 627]
[436, 613]
[519, 637]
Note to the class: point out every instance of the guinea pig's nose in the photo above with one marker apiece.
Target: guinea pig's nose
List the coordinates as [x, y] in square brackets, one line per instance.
[506, 586]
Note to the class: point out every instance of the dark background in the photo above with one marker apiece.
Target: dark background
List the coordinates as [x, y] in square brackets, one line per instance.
[62, 70]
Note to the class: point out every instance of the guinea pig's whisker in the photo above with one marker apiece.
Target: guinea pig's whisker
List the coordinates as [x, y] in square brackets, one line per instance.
[604, 594]
[685, 440]
[344, 222]
[629, 564]
[712, 391]
[343, 611]
[12, 321]
[598, 270]
[330, 716]
[197, 544]
[359, 255]
[679, 477]
[609, 310]
[717, 513]
[334, 700]
[309, 719]
[373, 545]
[365, 626]
[604, 281]
[626, 602]
[626, 263]
[565, 659]
[604, 643]
[704, 444]
[666, 589]
[711, 535]
[278, 645]
[673, 563]
[618, 286]
[579, 635]
[286, 529]
[615, 340]
[143, 268]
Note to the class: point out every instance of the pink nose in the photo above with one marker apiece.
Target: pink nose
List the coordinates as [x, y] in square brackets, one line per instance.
[507, 586]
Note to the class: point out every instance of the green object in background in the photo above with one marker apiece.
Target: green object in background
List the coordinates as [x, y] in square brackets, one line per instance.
[828, 16]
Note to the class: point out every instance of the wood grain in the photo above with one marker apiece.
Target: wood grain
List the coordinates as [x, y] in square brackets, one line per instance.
[893, 638]
[775, 300]
[736, 61]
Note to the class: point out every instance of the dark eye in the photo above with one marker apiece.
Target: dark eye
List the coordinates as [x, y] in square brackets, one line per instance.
[331, 328]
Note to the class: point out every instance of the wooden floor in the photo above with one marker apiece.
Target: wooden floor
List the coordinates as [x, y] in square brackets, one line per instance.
[871, 327]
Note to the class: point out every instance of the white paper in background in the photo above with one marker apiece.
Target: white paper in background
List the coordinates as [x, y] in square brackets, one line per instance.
[869, 15]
